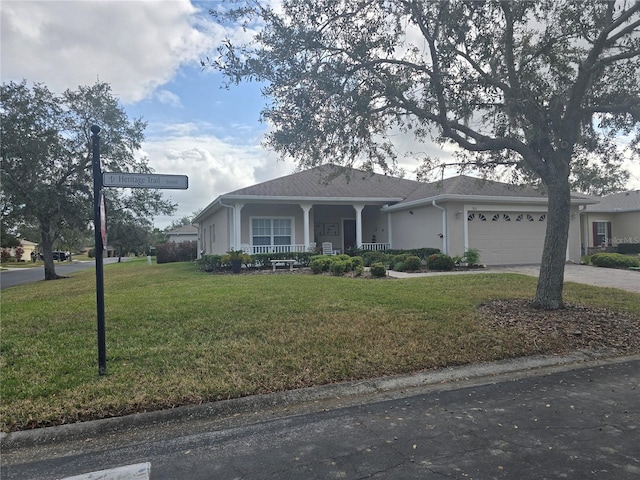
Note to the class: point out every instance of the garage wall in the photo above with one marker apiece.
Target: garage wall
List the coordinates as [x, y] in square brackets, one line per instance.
[417, 228]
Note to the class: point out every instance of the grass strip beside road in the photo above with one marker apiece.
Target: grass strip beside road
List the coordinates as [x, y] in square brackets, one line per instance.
[177, 336]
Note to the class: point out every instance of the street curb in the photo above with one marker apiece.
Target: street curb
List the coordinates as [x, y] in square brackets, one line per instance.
[349, 393]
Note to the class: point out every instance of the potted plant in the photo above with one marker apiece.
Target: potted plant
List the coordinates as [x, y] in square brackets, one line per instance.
[236, 257]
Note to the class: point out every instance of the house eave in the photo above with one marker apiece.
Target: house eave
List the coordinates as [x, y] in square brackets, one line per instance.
[480, 199]
[611, 210]
[315, 200]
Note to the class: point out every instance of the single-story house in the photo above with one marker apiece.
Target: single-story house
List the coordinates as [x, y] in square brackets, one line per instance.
[186, 233]
[612, 221]
[27, 248]
[353, 208]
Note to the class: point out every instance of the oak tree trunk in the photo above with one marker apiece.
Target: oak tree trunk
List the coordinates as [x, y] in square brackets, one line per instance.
[551, 279]
[47, 254]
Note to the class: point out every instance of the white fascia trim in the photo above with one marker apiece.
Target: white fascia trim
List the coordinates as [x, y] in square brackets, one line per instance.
[328, 200]
[205, 212]
[614, 210]
[466, 199]
[477, 198]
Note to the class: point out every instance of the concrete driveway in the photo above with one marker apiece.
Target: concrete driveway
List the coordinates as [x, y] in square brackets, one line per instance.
[600, 277]
[628, 280]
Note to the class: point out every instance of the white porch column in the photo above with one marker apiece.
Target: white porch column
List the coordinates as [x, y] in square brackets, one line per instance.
[237, 225]
[358, 208]
[389, 231]
[306, 207]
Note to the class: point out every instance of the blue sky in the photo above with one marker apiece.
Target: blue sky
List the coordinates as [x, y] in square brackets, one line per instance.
[149, 52]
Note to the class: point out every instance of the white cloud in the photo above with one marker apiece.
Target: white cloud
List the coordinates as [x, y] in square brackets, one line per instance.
[135, 46]
[214, 167]
[168, 98]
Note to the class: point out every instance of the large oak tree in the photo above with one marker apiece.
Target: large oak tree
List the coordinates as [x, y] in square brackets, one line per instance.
[535, 86]
[47, 156]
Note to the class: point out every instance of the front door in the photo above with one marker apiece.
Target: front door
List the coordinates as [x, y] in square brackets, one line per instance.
[349, 229]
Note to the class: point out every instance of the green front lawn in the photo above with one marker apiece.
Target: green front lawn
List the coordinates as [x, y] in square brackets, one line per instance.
[177, 336]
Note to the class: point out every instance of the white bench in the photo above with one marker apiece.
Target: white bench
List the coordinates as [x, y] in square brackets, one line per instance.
[281, 263]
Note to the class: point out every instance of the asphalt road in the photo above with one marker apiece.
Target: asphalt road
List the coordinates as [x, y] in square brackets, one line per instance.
[20, 276]
[575, 422]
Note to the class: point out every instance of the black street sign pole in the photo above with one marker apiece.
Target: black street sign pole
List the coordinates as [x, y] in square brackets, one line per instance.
[97, 227]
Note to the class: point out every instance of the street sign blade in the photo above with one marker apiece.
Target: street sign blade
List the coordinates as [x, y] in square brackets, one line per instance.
[145, 180]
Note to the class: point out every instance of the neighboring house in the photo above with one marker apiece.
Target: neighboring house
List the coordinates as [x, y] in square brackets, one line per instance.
[186, 233]
[28, 247]
[612, 221]
[505, 223]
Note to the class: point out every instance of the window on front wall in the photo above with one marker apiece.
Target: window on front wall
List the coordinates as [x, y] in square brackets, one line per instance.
[601, 233]
[271, 231]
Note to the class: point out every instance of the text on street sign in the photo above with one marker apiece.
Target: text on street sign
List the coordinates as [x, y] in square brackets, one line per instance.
[145, 180]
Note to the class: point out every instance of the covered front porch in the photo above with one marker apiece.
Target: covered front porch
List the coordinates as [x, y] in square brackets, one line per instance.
[303, 227]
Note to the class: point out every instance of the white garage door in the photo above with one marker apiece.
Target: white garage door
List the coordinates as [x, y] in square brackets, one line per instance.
[507, 238]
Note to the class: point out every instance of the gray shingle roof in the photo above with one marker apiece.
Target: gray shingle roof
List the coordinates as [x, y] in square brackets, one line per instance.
[184, 230]
[623, 201]
[332, 181]
[465, 185]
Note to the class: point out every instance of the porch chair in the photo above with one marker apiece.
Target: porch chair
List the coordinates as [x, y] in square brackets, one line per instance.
[327, 248]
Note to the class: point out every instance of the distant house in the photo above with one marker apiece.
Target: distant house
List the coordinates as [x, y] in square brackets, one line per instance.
[27, 248]
[186, 233]
[352, 208]
[612, 221]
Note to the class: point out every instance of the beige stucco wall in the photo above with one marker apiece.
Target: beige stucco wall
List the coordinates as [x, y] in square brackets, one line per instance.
[218, 224]
[422, 228]
[625, 227]
[417, 228]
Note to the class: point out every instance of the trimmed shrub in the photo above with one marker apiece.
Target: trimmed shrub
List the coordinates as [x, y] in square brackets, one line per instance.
[339, 267]
[629, 248]
[210, 263]
[320, 263]
[614, 260]
[336, 264]
[378, 270]
[412, 263]
[374, 256]
[398, 267]
[356, 262]
[440, 261]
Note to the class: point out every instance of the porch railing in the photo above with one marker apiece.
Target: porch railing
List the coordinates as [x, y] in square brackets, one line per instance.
[375, 246]
[278, 248]
[303, 248]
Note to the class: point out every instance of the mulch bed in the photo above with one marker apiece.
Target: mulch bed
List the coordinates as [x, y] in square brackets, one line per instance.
[576, 327]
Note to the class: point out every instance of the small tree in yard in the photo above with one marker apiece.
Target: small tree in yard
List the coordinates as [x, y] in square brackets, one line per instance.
[46, 176]
[535, 87]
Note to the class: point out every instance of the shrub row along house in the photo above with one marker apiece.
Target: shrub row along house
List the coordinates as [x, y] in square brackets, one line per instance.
[351, 208]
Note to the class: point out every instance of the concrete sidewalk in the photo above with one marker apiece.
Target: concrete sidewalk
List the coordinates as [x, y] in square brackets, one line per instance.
[628, 280]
